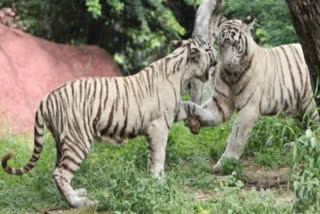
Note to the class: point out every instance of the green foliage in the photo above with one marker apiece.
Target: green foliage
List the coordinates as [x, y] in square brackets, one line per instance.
[116, 177]
[230, 165]
[268, 138]
[134, 31]
[306, 172]
[273, 22]
[94, 7]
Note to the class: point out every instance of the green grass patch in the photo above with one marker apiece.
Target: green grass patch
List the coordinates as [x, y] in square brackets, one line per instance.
[116, 177]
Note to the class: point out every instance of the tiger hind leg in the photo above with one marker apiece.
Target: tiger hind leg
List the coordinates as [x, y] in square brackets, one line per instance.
[70, 159]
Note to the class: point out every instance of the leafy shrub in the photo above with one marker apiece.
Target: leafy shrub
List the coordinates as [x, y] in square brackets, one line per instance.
[230, 165]
[306, 172]
[268, 138]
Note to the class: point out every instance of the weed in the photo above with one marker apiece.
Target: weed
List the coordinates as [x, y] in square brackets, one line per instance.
[306, 172]
[230, 165]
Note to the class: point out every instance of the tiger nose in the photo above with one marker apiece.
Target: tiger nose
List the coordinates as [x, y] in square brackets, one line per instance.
[234, 61]
[228, 63]
[214, 63]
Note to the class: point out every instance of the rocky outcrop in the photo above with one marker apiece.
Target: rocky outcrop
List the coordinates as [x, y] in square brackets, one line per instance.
[30, 67]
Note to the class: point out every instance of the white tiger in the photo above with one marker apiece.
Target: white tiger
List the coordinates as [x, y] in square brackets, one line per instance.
[124, 107]
[253, 81]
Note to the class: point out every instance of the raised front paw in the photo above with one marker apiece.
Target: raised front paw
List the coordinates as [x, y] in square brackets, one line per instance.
[193, 124]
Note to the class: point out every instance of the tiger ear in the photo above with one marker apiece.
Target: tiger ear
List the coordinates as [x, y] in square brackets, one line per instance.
[176, 43]
[222, 20]
[194, 55]
[248, 23]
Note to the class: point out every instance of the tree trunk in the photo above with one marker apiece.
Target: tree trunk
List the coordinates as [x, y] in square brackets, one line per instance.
[206, 23]
[305, 16]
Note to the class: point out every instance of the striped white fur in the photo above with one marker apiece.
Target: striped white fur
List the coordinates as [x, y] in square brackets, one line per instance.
[254, 81]
[116, 108]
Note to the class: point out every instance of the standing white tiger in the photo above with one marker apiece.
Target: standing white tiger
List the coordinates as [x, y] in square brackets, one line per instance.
[94, 108]
[254, 81]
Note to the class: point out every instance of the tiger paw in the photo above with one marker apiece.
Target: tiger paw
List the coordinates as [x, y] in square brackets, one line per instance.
[80, 192]
[193, 124]
[78, 202]
[217, 168]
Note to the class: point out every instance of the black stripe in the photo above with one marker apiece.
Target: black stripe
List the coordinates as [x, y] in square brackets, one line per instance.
[243, 72]
[62, 110]
[122, 132]
[41, 126]
[152, 78]
[158, 99]
[70, 144]
[275, 107]
[260, 103]
[96, 119]
[75, 142]
[67, 168]
[166, 119]
[115, 130]
[290, 70]
[135, 96]
[283, 79]
[219, 108]
[286, 105]
[247, 101]
[149, 81]
[70, 158]
[220, 93]
[19, 171]
[76, 125]
[143, 85]
[306, 89]
[36, 133]
[223, 77]
[237, 132]
[244, 86]
[105, 130]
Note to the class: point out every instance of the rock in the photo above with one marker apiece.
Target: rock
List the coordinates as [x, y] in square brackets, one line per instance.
[30, 67]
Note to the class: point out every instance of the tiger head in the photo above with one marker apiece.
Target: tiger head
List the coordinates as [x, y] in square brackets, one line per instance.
[201, 57]
[234, 39]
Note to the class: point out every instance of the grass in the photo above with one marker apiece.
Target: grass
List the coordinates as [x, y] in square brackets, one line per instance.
[117, 179]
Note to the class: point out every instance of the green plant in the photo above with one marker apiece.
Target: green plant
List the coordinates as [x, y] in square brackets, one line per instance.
[266, 144]
[230, 165]
[117, 178]
[306, 172]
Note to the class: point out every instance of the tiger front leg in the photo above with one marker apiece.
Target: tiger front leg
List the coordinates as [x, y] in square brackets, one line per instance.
[157, 135]
[238, 137]
[209, 114]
